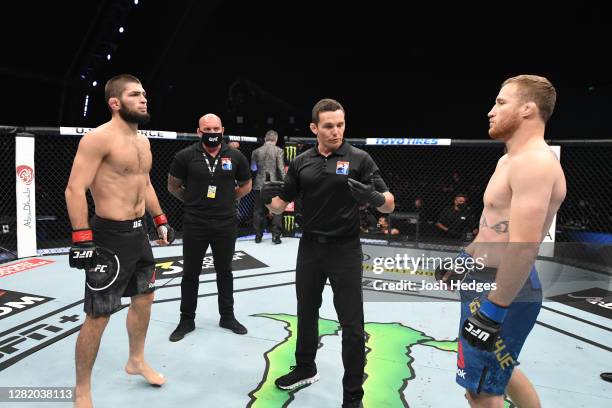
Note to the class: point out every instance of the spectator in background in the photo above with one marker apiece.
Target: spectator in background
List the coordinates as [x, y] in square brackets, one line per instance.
[456, 222]
[418, 204]
[267, 161]
[383, 227]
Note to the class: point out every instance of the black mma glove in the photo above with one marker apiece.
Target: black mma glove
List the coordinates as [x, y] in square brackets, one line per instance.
[482, 329]
[271, 189]
[366, 193]
[82, 254]
[164, 231]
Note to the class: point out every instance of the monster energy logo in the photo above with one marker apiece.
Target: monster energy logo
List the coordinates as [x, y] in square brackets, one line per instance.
[289, 222]
[290, 152]
[388, 369]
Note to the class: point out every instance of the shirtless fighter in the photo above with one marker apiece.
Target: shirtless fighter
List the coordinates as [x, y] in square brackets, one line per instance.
[113, 161]
[520, 201]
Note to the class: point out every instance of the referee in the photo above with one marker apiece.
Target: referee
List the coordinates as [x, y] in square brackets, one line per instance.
[332, 178]
[204, 177]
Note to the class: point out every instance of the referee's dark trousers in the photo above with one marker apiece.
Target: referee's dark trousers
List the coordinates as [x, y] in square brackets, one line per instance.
[340, 260]
[220, 234]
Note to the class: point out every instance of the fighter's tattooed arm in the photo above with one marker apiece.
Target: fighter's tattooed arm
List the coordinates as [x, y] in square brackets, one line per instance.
[499, 228]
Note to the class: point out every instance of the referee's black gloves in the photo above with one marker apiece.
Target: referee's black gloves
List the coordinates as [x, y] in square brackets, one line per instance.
[365, 193]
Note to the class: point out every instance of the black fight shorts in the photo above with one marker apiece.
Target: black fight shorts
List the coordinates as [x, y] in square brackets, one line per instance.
[127, 260]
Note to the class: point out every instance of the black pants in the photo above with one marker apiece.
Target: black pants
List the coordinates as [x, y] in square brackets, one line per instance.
[341, 262]
[221, 236]
[259, 217]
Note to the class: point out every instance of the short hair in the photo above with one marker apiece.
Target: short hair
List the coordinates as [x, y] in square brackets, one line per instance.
[114, 87]
[534, 88]
[271, 136]
[325, 105]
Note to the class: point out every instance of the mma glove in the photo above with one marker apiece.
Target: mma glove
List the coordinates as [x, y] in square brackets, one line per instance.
[83, 252]
[482, 329]
[366, 193]
[164, 231]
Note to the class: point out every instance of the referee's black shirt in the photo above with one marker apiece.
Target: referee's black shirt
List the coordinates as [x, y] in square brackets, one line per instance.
[329, 209]
[190, 166]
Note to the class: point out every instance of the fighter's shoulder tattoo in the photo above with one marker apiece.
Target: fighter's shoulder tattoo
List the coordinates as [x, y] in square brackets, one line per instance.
[500, 228]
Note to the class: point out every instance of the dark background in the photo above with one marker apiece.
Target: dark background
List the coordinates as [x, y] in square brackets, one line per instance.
[399, 69]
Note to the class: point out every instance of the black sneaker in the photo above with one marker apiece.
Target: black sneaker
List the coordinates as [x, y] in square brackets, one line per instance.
[298, 377]
[233, 325]
[185, 326]
[258, 239]
[276, 239]
[606, 377]
[352, 404]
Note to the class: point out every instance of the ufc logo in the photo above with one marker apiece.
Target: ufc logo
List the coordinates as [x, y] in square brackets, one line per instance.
[478, 333]
[83, 254]
[100, 268]
[137, 224]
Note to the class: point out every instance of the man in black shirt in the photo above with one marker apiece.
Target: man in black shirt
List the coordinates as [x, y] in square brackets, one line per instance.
[332, 178]
[204, 176]
[456, 221]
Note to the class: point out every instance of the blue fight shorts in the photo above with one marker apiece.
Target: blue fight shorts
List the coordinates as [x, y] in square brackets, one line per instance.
[489, 372]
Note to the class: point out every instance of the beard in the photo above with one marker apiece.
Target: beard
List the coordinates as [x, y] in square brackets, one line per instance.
[134, 116]
[503, 129]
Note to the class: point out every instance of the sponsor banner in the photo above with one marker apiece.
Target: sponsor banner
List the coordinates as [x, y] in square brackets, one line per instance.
[290, 152]
[288, 222]
[25, 190]
[235, 138]
[12, 303]
[25, 339]
[23, 266]
[151, 134]
[391, 141]
[172, 267]
[594, 300]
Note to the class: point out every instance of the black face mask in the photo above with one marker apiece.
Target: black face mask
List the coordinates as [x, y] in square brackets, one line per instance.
[211, 139]
[461, 206]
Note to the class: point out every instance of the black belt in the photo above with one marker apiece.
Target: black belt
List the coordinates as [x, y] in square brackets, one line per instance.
[324, 239]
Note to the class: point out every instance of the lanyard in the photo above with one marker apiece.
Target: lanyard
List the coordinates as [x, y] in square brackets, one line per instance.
[211, 169]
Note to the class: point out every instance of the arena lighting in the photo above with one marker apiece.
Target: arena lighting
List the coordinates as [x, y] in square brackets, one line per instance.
[108, 57]
[85, 105]
[94, 83]
[121, 29]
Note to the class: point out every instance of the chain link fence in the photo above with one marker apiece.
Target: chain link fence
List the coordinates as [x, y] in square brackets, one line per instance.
[427, 182]
[8, 226]
[54, 154]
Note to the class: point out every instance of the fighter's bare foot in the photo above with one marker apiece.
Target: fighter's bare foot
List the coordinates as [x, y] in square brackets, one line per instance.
[83, 402]
[149, 374]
